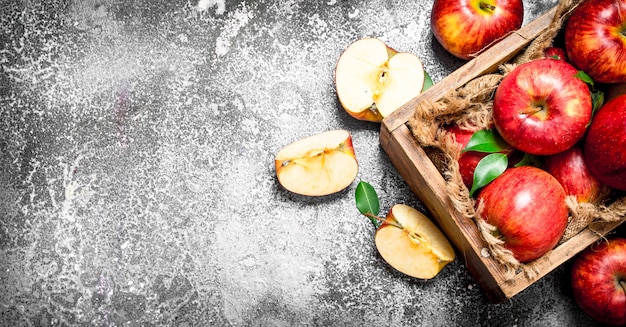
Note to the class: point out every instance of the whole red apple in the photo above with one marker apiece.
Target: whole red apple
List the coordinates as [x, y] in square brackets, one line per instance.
[541, 107]
[595, 39]
[527, 206]
[466, 27]
[605, 144]
[599, 281]
[570, 169]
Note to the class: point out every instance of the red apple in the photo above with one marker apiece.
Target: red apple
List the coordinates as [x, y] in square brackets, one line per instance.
[605, 144]
[595, 39]
[527, 206]
[466, 27]
[541, 107]
[571, 170]
[599, 281]
[468, 160]
[555, 53]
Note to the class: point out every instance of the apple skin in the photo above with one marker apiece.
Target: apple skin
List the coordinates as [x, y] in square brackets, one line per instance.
[598, 276]
[595, 40]
[605, 144]
[527, 206]
[571, 170]
[466, 27]
[541, 107]
[555, 53]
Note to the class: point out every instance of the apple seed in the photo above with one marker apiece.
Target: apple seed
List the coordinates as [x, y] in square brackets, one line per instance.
[418, 239]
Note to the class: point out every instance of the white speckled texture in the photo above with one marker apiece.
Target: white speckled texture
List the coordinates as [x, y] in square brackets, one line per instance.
[138, 189]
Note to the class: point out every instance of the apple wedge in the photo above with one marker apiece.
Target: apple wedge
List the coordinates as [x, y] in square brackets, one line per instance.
[320, 164]
[412, 244]
[372, 80]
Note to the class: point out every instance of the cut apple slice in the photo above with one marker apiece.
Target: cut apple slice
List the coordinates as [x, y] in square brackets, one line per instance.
[372, 80]
[318, 165]
[412, 244]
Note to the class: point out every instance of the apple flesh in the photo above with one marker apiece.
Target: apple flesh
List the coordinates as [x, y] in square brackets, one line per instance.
[527, 207]
[595, 39]
[599, 281]
[321, 164]
[541, 107]
[412, 244]
[466, 27]
[605, 144]
[372, 80]
[571, 170]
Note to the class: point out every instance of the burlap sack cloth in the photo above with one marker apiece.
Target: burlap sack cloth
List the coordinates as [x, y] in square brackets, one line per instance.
[469, 107]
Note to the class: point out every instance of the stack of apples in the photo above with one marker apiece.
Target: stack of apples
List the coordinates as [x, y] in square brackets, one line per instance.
[568, 112]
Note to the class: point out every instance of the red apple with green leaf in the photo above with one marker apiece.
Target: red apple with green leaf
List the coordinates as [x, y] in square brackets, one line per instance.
[605, 144]
[467, 27]
[595, 39]
[476, 145]
[527, 207]
[571, 170]
[541, 107]
[599, 281]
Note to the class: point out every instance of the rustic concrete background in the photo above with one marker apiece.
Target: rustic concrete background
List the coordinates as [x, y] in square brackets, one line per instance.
[137, 142]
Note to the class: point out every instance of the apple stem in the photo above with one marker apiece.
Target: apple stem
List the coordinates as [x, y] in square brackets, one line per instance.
[372, 216]
[622, 283]
[486, 6]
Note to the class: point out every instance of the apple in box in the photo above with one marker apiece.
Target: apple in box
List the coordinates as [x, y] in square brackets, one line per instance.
[466, 27]
[541, 107]
[599, 281]
[570, 169]
[468, 160]
[527, 207]
[372, 80]
[412, 244]
[317, 165]
[605, 144]
[555, 53]
[595, 39]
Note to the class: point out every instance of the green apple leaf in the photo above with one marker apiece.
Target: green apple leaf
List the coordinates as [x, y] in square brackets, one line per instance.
[428, 82]
[487, 140]
[584, 77]
[488, 169]
[529, 160]
[597, 99]
[367, 201]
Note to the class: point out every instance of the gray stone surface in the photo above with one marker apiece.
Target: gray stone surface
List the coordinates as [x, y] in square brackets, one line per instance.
[138, 189]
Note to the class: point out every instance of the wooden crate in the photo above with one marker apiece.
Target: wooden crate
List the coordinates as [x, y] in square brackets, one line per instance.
[425, 180]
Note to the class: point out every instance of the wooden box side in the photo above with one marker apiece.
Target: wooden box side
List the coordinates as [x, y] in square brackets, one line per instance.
[425, 181]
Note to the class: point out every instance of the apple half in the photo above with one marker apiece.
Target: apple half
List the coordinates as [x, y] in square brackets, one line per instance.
[412, 244]
[372, 80]
[317, 165]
